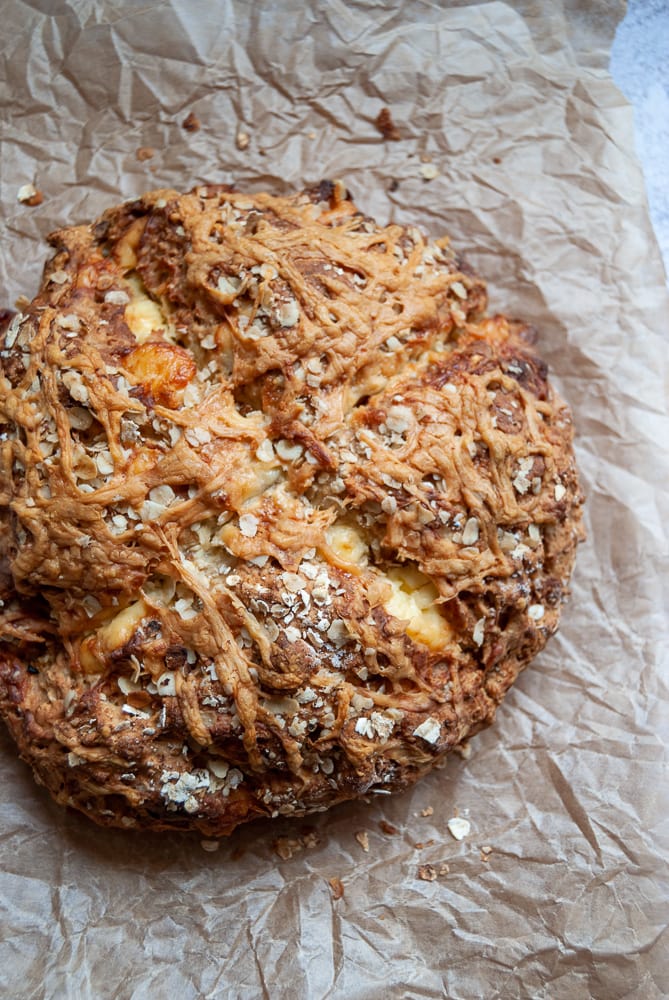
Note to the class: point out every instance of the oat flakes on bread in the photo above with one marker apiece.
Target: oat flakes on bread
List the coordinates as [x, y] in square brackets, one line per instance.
[284, 511]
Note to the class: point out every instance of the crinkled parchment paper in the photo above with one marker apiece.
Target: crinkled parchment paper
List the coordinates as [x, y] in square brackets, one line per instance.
[538, 183]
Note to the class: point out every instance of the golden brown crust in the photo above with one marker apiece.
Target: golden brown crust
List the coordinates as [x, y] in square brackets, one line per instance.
[284, 511]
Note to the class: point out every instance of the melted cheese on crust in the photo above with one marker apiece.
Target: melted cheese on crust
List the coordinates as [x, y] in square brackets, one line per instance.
[113, 635]
[143, 314]
[347, 543]
[413, 600]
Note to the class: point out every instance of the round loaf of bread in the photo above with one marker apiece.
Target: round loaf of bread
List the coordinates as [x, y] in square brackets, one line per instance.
[284, 512]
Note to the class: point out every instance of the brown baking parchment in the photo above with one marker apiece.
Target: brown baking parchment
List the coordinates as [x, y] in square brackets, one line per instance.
[539, 185]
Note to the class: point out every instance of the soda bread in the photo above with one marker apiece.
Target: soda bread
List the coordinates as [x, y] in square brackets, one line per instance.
[284, 511]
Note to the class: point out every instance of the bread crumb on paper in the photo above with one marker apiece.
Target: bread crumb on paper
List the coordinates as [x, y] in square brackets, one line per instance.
[337, 887]
[286, 847]
[242, 140]
[29, 195]
[427, 811]
[191, 122]
[428, 873]
[363, 839]
[145, 153]
[388, 828]
[386, 126]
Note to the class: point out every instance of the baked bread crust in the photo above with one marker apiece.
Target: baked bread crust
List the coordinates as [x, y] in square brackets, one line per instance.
[284, 511]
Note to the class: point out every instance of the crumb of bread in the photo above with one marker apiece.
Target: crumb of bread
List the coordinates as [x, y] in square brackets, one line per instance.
[29, 195]
[191, 122]
[363, 839]
[337, 887]
[386, 126]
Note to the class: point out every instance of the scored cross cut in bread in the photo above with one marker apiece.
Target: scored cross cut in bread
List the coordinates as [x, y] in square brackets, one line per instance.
[284, 510]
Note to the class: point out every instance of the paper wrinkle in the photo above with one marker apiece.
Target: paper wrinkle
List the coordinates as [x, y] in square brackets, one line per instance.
[539, 186]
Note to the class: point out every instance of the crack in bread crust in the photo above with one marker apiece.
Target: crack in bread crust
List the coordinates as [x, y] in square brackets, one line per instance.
[284, 511]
